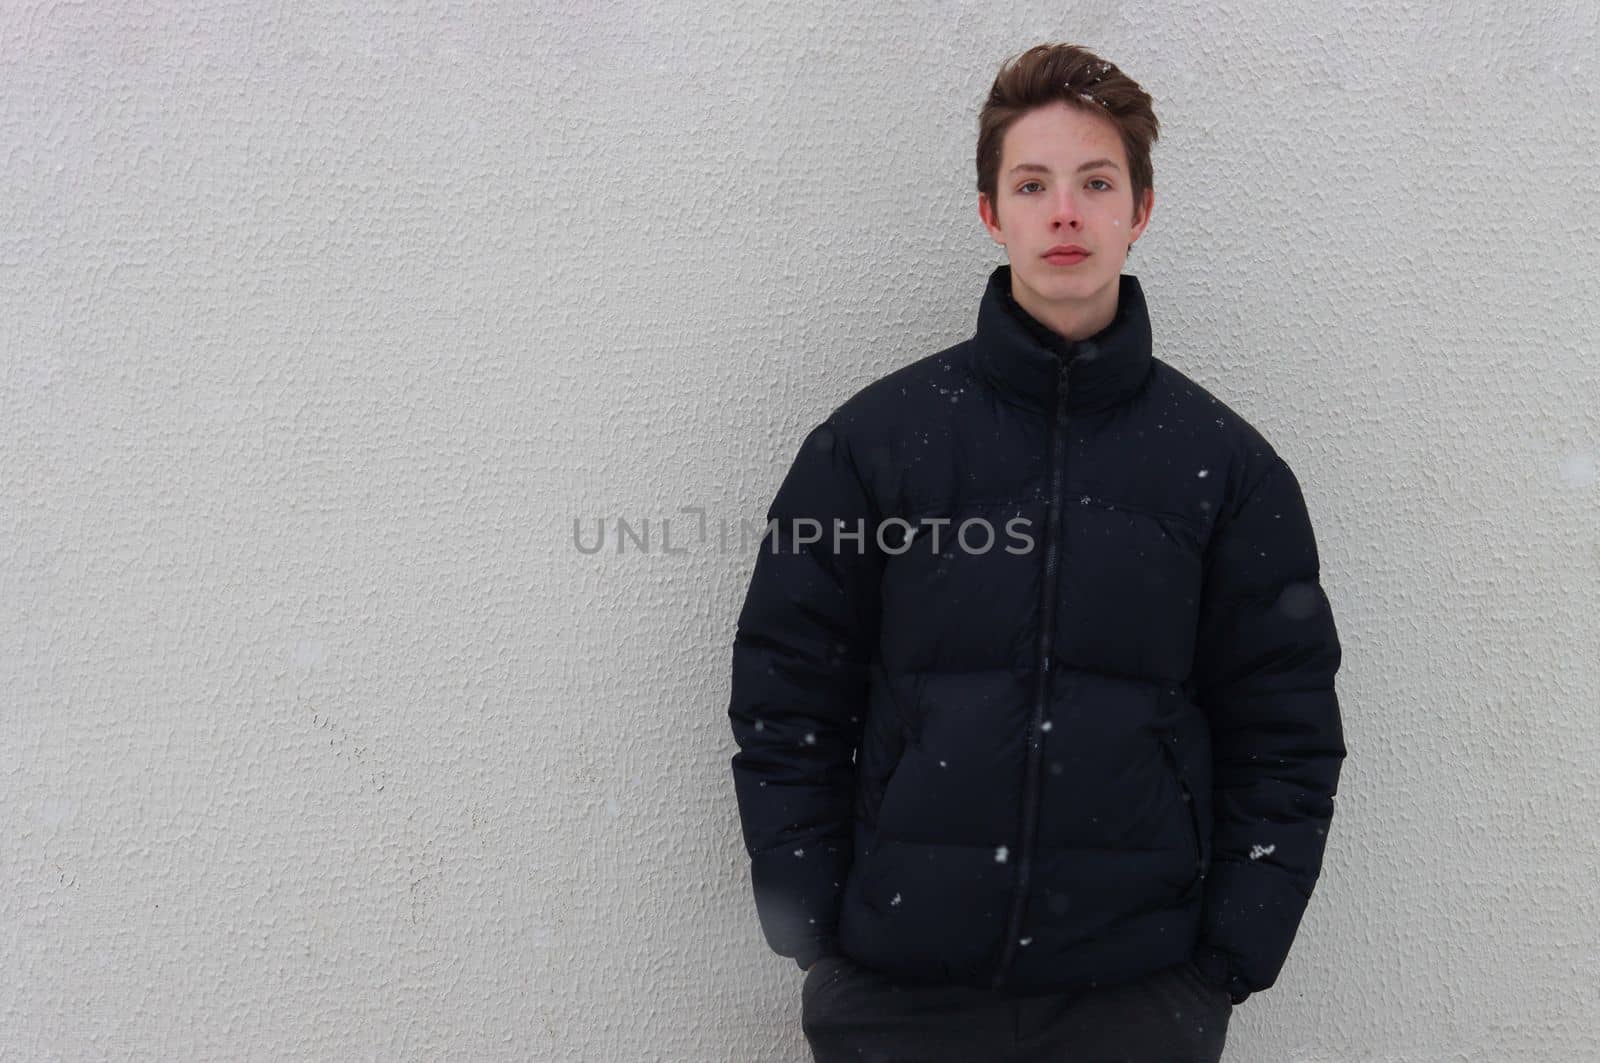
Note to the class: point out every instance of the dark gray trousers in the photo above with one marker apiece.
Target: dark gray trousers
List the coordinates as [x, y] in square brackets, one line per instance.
[849, 1012]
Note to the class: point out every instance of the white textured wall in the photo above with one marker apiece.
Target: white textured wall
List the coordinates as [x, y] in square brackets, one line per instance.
[318, 738]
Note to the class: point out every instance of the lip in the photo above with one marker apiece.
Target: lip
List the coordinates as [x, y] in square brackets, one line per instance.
[1065, 255]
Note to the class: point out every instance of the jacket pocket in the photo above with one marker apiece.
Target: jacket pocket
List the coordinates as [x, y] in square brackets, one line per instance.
[890, 735]
[902, 743]
[1191, 811]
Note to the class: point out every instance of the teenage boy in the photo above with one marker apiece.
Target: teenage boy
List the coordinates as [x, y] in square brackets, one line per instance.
[1034, 681]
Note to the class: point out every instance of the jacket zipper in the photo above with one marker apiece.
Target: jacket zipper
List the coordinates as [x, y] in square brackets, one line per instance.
[1030, 786]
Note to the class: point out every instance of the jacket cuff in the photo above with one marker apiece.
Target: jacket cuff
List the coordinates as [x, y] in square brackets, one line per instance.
[812, 951]
[1212, 962]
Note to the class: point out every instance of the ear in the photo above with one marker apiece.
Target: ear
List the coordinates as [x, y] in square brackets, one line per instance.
[991, 221]
[1141, 216]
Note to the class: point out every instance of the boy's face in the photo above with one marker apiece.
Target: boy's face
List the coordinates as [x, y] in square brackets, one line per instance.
[1051, 200]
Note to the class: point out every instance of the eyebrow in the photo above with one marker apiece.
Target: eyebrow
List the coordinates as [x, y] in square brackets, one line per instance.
[1092, 164]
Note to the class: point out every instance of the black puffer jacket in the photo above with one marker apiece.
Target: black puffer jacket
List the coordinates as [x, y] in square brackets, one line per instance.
[1107, 744]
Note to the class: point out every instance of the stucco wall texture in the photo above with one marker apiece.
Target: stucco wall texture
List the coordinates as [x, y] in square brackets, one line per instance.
[320, 739]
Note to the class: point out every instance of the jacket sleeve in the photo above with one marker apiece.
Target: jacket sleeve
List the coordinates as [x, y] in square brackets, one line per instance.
[1266, 654]
[806, 636]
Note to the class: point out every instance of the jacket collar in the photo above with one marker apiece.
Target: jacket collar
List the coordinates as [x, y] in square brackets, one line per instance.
[1019, 355]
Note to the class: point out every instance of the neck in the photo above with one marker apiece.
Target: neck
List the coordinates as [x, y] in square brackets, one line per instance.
[1076, 319]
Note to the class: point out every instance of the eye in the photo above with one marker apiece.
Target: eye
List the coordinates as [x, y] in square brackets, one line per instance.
[1025, 185]
[1103, 181]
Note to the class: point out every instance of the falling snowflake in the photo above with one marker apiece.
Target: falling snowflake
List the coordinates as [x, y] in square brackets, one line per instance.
[1000, 855]
[1258, 851]
[1025, 941]
[799, 852]
[896, 901]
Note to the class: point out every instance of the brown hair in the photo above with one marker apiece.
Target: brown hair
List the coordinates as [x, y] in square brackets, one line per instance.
[1076, 76]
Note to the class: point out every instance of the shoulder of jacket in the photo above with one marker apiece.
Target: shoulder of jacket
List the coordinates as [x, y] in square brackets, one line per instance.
[903, 395]
[1250, 456]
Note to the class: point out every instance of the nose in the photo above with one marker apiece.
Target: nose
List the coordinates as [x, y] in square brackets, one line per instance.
[1066, 212]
